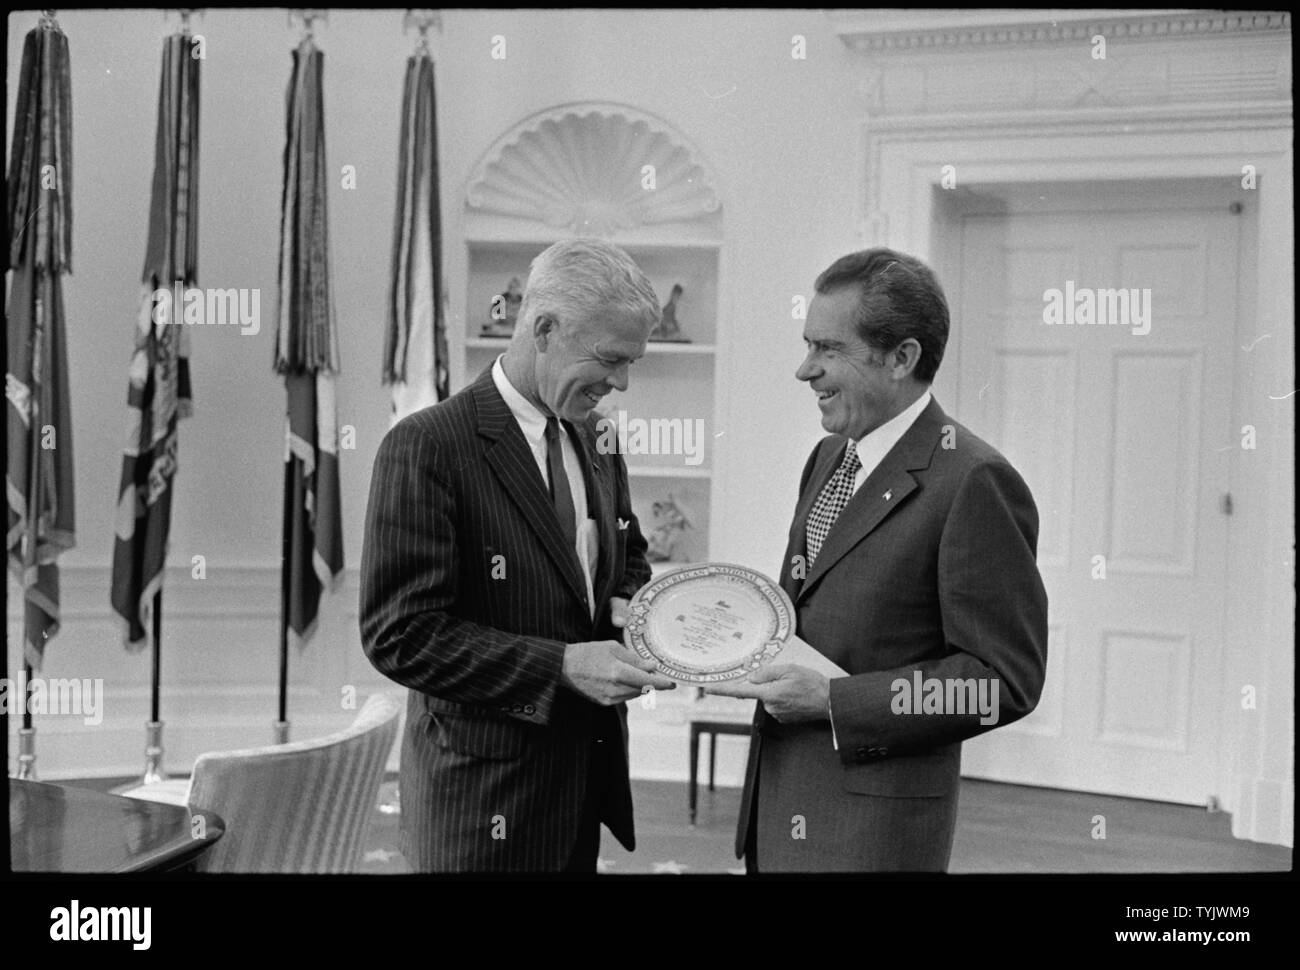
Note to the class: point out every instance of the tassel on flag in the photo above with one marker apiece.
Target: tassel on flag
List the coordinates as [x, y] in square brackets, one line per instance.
[306, 354]
[39, 469]
[415, 346]
[159, 393]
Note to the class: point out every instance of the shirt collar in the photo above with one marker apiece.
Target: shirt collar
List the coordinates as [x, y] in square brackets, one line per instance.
[532, 422]
[876, 444]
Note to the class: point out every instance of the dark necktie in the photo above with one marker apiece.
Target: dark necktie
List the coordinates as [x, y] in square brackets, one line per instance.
[830, 503]
[561, 496]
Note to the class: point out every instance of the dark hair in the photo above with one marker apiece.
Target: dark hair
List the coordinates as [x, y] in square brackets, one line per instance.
[898, 297]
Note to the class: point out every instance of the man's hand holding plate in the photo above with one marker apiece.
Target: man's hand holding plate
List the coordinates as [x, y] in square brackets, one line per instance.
[607, 672]
[789, 692]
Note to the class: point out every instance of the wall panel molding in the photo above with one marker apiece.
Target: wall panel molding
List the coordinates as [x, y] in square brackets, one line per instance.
[1011, 98]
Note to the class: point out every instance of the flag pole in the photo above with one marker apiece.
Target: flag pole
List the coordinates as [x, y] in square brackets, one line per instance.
[27, 733]
[306, 355]
[38, 255]
[153, 749]
[280, 729]
[156, 677]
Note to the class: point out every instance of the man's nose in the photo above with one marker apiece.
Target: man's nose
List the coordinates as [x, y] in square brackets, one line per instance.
[618, 379]
[806, 370]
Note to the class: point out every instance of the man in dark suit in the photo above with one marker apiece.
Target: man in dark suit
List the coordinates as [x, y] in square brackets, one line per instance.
[500, 552]
[911, 564]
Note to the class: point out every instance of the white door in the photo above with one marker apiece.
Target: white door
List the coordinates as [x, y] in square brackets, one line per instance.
[1124, 439]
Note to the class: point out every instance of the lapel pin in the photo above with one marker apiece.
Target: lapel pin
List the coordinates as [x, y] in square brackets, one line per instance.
[889, 495]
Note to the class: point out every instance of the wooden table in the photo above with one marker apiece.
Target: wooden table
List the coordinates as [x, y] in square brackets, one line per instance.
[58, 828]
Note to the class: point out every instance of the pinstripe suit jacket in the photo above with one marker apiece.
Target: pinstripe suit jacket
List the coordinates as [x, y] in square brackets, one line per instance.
[469, 594]
[931, 568]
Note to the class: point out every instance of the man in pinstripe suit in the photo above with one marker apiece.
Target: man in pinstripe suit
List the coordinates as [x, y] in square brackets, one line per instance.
[500, 552]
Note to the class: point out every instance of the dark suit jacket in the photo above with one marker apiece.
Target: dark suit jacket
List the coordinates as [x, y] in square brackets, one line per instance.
[469, 594]
[931, 567]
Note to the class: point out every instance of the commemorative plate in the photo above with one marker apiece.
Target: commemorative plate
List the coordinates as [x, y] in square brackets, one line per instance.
[709, 623]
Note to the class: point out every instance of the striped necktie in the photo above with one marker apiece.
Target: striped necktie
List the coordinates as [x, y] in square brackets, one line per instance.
[830, 503]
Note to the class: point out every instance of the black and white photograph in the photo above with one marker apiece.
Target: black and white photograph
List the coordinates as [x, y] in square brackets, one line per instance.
[647, 447]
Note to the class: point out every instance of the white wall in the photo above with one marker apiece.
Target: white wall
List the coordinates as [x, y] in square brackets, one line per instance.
[777, 131]
[785, 138]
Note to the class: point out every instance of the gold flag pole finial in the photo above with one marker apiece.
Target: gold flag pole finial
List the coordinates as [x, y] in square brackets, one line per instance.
[308, 16]
[422, 20]
[185, 13]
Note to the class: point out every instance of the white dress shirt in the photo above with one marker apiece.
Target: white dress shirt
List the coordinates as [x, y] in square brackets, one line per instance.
[532, 423]
[873, 447]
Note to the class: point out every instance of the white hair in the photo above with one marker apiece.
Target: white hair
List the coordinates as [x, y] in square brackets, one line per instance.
[583, 280]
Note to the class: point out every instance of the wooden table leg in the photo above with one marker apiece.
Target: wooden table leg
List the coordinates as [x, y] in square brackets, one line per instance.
[713, 756]
[695, 757]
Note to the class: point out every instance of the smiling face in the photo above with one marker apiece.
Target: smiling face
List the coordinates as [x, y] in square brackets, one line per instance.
[856, 388]
[578, 362]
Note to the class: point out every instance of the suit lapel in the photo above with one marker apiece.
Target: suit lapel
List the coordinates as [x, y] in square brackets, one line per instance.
[511, 460]
[885, 489]
[827, 461]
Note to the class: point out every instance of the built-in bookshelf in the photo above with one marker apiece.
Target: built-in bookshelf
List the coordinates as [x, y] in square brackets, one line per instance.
[584, 170]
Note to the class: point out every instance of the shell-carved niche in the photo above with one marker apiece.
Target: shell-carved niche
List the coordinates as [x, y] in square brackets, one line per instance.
[593, 169]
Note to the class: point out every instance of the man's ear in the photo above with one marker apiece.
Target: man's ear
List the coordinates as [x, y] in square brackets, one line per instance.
[904, 358]
[544, 329]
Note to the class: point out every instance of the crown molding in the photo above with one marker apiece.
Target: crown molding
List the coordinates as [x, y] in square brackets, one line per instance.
[884, 31]
[968, 68]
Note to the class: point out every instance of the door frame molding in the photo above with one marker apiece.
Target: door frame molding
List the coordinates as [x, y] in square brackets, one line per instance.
[902, 205]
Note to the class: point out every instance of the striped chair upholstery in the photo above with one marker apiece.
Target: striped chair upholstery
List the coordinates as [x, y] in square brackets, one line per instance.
[297, 807]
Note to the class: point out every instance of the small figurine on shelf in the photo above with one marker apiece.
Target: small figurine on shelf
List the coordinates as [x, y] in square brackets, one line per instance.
[505, 310]
[668, 329]
[664, 542]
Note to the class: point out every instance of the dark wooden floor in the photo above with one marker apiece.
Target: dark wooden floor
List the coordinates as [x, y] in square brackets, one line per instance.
[1000, 829]
[1013, 828]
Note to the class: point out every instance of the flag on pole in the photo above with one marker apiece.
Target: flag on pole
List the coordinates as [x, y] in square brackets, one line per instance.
[158, 392]
[415, 347]
[39, 470]
[306, 353]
